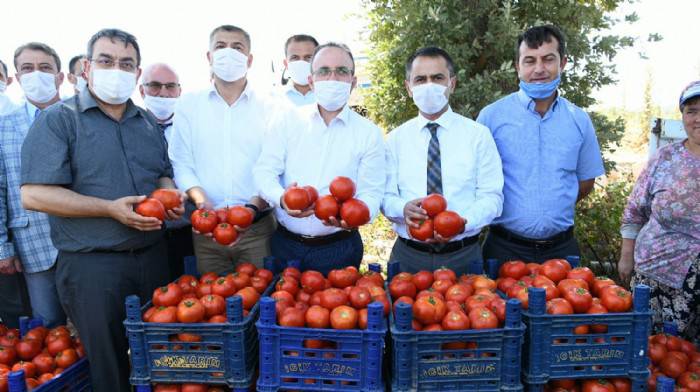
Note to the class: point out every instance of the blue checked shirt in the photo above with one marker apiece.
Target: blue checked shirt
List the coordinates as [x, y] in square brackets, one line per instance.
[544, 158]
[23, 233]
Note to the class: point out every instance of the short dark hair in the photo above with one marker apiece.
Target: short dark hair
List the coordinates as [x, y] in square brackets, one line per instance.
[114, 34]
[73, 61]
[534, 37]
[4, 67]
[40, 47]
[299, 38]
[430, 51]
[230, 29]
[332, 44]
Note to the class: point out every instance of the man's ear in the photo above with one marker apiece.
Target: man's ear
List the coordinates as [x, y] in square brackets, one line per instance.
[408, 88]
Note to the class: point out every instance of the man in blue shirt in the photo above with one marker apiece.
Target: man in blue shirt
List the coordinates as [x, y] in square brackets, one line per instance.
[549, 151]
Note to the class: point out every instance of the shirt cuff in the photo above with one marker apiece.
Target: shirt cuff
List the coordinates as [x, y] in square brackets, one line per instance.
[7, 250]
[393, 208]
[629, 231]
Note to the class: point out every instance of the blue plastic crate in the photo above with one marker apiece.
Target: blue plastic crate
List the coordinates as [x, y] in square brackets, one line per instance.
[421, 362]
[665, 384]
[76, 378]
[227, 354]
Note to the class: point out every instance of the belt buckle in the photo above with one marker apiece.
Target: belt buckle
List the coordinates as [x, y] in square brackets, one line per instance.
[437, 247]
[544, 244]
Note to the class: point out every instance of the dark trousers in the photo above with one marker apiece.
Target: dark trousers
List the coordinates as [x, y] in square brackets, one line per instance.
[14, 300]
[413, 260]
[92, 288]
[496, 247]
[179, 243]
[322, 258]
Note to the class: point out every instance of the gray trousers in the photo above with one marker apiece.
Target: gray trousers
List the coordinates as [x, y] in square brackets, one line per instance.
[412, 260]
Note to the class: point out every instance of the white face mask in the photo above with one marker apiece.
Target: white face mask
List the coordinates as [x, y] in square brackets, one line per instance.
[39, 86]
[161, 107]
[3, 87]
[332, 94]
[299, 71]
[429, 97]
[80, 83]
[229, 64]
[112, 85]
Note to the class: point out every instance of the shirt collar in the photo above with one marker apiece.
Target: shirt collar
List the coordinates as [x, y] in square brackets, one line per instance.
[529, 103]
[290, 90]
[246, 94]
[343, 116]
[31, 110]
[87, 101]
[444, 120]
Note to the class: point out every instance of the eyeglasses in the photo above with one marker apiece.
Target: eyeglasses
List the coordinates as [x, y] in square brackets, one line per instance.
[105, 63]
[155, 87]
[325, 72]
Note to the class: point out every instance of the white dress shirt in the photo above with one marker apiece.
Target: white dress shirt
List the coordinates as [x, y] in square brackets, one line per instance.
[297, 98]
[472, 177]
[215, 146]
[304, 150]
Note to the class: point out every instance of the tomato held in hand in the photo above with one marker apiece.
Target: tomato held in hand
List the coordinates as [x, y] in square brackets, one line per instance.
[342, 188]
[296, 198]
[326, 207]
[434, 204]
[239, 216]
[168, 197]
[448, 224]
[313, 193]
[152, 208]
[225, 234]
[424, 230]
[204, 221]
[354, 212]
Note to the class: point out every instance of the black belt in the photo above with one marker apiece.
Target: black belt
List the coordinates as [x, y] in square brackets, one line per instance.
[440, 248]
[260, 215]
[544, 243]
[316, 241]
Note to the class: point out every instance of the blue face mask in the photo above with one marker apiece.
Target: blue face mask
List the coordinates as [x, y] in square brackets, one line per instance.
[540, 90]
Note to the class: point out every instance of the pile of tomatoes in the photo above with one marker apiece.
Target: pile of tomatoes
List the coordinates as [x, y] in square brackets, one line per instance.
[41, 353]
[441, 221]
[222, 223]
[341, 204]
[188, 387]
[158, 202]
[674, 358]
[338, 301]
[190, 300]
[592, 385]
[440, 301]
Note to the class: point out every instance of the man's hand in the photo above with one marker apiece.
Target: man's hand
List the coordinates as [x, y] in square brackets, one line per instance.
[176, 213]
[332, 221]
[297, 213]
[122, 210]
[10, 265]
[413, 213]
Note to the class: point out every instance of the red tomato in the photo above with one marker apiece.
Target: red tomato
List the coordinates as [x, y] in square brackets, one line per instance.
[167, 388]
[401, 288]
[405, 300]
[164, 314]
[208, 278]
[672, 366]
[455, 320]
[559, 306]
[265, 274]
[8, 355]
[478, 301]
[189, 337]
[28, 349]
[673, 343]
[312, 281]
[169, 198]
[515, 269]
[152, 208]
[296, 198]
[690, 380]
[169, 295]
[240, 216]
[482, 318]
[342, 278]
[422, 280]
[342, 188]
[190, 311]
[583, 273]
[448, 224]
[434, 204]
[326, 206]
[45, 377]
[293, 272]
[44, 363]
[239, 279]
[444, 273]
[458, 292]
[313, 193]
[567, 283]
[194, 388]
[249, 297]
[504, 284]
[344, 317]
[223, 287]
[333, 297]
[57, 345]
[225, 234]
[423, 232]
[66, 358]
[204, 221]
[317, 317]
[555, 269]
[432, 327]
[360, 297]
[599, 283]
[429, 310]
[597, 308]
[687, 347]
[534, 268]
[258, 283]
[616, 299]
[362, 318]
[498, 307]
[599, 385]
[579, 298]
[354, 212]
[28, 367]
[292, 317]
[622, 384]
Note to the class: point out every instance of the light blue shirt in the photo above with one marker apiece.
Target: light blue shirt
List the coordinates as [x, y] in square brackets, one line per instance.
[297, 98]
[544, 158]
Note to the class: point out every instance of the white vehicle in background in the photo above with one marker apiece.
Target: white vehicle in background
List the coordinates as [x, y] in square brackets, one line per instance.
[663, 132]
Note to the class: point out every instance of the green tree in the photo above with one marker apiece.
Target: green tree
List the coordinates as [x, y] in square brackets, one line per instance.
[480, 35]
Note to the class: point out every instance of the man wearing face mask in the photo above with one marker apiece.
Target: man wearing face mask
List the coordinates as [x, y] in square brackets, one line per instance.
[439, 152]
[297, 64]
[87, 161]
[75, 75]
[25, 238]
[217, 136]
[550, 155]
[160, 89]
[6, 104]
[312, 146]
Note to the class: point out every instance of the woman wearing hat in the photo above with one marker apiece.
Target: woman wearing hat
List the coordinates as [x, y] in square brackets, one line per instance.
[661, 226]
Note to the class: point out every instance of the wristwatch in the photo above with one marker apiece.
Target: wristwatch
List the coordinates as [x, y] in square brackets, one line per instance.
[254, 208]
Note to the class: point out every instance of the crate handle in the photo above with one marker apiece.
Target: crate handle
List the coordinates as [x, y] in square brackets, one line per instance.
[133, 309]
[513, 315]
[267, 311]
[664, 384]
[234, 309]
[375, 315]
[393, 269]
[574, 261]
[16, 381]
[641, 298]
[536, 300]
[375, 267]
[404, 317]
[492, 266]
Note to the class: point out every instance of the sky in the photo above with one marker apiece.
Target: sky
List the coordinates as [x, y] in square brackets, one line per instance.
[177, 33]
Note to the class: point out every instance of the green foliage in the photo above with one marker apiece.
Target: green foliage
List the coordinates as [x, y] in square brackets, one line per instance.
[481, 35]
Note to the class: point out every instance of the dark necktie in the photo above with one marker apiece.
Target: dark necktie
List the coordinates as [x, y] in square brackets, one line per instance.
[434, 170]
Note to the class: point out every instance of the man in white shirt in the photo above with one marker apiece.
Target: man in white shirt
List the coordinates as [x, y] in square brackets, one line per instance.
[439, 151]
[298, 51]
[6, 104]
[312, 146]
[217, 137]
[75, 73]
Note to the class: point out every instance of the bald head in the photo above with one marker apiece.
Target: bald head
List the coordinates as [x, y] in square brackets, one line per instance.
[161, 80]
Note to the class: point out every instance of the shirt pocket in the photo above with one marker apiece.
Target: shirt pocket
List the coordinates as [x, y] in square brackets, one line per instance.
[18, 222]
